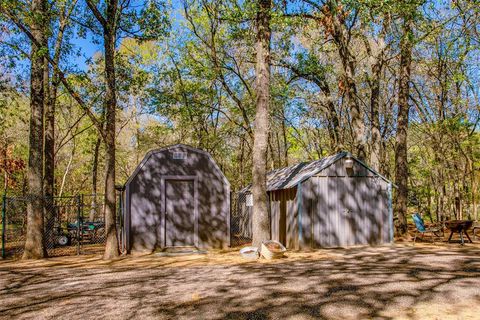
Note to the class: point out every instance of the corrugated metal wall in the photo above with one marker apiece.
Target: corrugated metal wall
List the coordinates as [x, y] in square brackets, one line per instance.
[284, 216]
[337, 207]
[208, 202]
[343, 211]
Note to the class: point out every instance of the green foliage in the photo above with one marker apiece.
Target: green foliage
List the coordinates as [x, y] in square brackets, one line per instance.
[186, 73]
[309, 64]
[146, 21]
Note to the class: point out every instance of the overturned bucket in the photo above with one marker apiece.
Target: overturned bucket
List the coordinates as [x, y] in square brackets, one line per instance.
[272, 249]
[250, 253]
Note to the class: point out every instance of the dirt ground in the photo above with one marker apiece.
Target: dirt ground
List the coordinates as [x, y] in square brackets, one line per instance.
[389, 282]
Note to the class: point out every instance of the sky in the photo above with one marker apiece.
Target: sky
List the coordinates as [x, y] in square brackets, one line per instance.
[88, 48]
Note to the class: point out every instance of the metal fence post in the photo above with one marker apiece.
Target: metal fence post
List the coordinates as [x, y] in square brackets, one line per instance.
[78, 223]
[4, 222]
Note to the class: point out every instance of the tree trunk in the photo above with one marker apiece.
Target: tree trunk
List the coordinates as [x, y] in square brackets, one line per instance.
[401, 164]
[272, 153]
[50, 102]
[49, 148]
[341, 39]
[374, 114]
[34, 241]
[67, 169]
[111, 245]
[333, 121]
[96, 150]
[260, 218]
[457, 204]
[356, 116]
[429, 204]
[48, 158]
[285, 140]
[241, 158]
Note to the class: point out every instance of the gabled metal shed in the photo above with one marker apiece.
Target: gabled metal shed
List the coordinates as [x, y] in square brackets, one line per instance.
[177, 196]
[332, 202]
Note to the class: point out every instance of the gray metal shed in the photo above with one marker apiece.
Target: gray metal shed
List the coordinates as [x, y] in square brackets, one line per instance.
[177, 196]
[332, 202]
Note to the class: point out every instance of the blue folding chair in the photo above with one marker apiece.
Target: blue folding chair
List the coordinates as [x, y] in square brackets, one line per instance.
[420, 225]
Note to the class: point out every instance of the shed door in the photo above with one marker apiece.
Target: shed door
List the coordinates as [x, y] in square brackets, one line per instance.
[350, 210]
[180, 213]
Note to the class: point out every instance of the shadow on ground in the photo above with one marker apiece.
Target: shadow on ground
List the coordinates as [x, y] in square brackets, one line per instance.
[398, 282]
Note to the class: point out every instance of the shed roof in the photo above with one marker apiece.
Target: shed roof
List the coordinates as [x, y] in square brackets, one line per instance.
[178, 145]
[289, 177]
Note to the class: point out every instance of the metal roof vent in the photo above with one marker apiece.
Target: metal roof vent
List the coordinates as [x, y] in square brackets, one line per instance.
[179, 155]
[349, 163]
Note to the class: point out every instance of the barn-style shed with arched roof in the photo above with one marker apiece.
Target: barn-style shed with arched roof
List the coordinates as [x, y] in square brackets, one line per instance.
[177, 196]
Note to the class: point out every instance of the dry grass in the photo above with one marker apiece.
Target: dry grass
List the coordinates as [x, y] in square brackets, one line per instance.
[391, 282]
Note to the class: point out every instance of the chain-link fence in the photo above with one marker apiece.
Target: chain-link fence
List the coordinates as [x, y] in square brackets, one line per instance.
[73, 225]
[241, 219]
[13, 226]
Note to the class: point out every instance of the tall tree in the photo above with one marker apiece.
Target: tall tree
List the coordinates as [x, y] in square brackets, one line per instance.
[108, 23]
[335, 22]
[65, 9]
[401, 161]
[260, 219]
[34, 242]
[148, 23]
[377, 54]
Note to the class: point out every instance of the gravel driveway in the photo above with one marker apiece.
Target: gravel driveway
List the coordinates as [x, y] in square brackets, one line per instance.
[393, 282]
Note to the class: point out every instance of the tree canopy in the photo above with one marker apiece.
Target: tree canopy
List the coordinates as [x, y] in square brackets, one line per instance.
[186, 72]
